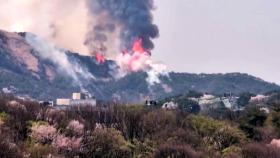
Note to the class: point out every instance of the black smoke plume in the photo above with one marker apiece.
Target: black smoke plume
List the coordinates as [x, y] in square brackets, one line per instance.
[133, 18]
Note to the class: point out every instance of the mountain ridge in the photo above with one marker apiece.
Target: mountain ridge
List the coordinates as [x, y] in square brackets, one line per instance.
[32, 74]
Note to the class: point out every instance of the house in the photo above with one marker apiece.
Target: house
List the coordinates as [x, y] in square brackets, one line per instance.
[151, 103]
[170, 105]
[9, 90]
[258, 98]
[78, 99]
[209, 101]
[46, 103]
[213, 102]
[62, 101]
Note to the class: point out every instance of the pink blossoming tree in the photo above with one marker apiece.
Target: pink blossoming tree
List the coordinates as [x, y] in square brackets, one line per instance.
[43, 133]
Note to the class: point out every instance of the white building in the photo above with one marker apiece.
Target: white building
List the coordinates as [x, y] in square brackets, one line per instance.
[78, 96]
[170, 105]
[9, 90]
[210, 101]
[259, 98]
[78, 99]
[62, 101]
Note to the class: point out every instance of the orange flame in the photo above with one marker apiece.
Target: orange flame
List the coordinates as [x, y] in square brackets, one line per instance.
[137, 46]
[100, 58]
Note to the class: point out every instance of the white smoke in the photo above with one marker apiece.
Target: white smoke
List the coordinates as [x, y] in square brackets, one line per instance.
[155, 71]
[64, 22]
[167, 88]
[141, 62]
[58, 56]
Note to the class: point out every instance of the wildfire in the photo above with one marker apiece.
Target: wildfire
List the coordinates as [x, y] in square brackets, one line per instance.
[138, 47]
[135, 59]
[99, 58]
[132, 60]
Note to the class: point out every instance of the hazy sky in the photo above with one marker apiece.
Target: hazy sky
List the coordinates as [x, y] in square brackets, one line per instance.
[214, 36]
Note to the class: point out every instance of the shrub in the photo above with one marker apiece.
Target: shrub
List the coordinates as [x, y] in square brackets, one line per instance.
[227, 136]
[276, 143]
[40, 151]
[8, 149]
[75, 128]
[131, 121]
[43, 133]
[107, 143]
[218, 133]
[56, 117]
[178, 135]
[232, 152]
[3, 118]
[67, 145]
[175, 151]
[158, 120]
[143, 149]
[258, 150]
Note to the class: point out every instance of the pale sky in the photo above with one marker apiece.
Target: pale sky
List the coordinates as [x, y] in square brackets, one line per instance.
[219, 36]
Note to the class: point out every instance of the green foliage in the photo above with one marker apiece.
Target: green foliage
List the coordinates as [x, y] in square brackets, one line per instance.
[232, 152]
[175, 151]
[40, 151]
[178, 136]
[188, 105]
[276, 121]
[217, 133]
[3, 116]
[204, 126]
[143, 149]
[184, 102]
[158, 120]
[274, 98]
[276, 107]
[227, 136]
[220, 112]
[194, 94]
[107, 143]
[256, 117]
[244, 99]
[253, 118]
[37, 123]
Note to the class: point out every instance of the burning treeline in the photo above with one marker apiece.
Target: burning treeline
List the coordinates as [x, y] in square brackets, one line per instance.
[123, 31]
[131, 22]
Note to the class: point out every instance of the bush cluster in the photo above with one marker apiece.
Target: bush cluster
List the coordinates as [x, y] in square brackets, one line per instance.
[133, 131]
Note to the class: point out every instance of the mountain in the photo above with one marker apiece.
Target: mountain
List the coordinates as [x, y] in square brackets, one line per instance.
[28, 72]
